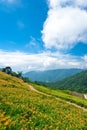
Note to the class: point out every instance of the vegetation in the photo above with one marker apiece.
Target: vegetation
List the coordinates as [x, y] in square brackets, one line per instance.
[7, 70]
[63, 94]
[18, 74]
[77, 83]
[51, 75]
[23, 109]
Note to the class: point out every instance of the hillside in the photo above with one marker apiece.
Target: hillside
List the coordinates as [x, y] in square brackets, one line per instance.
[51, 75]
[77, 83]
[23, 109]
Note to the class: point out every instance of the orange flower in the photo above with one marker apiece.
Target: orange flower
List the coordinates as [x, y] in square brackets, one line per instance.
[7, 122]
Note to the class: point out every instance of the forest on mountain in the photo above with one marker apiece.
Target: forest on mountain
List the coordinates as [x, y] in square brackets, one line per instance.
[76, 83]
[51, 75]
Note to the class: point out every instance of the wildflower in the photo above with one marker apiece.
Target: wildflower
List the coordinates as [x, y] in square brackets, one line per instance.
[7, 122]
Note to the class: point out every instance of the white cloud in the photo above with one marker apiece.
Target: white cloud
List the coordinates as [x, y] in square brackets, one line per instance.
[66, 24]
[20, 24]
[42, 61]
[65, 3]
[11, 1]
[85, 58]
[8, 1]
[6, 5]
[85, 61]
[33, 42]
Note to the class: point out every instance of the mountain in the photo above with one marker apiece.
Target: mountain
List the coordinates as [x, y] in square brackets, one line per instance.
[77, 83]
[51, 75]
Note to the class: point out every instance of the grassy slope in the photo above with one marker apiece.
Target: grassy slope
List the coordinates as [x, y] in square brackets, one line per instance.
[23, 109]
[63, 94]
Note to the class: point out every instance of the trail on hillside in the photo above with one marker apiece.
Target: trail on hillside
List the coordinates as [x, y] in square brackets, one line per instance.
[33, 89]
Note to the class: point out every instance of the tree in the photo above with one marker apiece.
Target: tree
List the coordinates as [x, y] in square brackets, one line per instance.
[19, 74]
[14, 74]
[7, 70]
[26, 79]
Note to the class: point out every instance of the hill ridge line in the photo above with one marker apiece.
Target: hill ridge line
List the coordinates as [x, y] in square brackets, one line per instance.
[33, 89]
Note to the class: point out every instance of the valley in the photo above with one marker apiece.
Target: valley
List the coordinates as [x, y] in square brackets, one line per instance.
[51, 75]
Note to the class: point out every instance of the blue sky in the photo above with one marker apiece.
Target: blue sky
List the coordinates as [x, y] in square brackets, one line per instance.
[43, 34]
[20, 23]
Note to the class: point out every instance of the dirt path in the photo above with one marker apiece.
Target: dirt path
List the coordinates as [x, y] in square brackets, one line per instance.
[33, 89]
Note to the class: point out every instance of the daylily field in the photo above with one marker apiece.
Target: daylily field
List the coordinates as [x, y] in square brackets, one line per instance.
[23, 109]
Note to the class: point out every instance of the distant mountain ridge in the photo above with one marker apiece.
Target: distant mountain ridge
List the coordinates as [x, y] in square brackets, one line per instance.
[77, 83]
[51, 75]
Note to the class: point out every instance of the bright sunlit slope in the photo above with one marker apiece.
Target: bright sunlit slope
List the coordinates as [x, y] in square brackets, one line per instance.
[23, 109]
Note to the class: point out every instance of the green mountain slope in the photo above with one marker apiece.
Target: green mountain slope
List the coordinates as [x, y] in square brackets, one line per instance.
[77, 83]
[23, 109]
[51, 75]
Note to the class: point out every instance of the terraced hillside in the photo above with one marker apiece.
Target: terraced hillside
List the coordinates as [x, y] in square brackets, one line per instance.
[23, 109]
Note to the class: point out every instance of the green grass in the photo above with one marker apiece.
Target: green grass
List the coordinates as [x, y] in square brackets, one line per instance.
[63, 94]
[23, 109]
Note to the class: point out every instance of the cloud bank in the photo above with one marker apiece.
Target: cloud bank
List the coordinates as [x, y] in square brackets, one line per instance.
[42, 61]
[66, 24]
